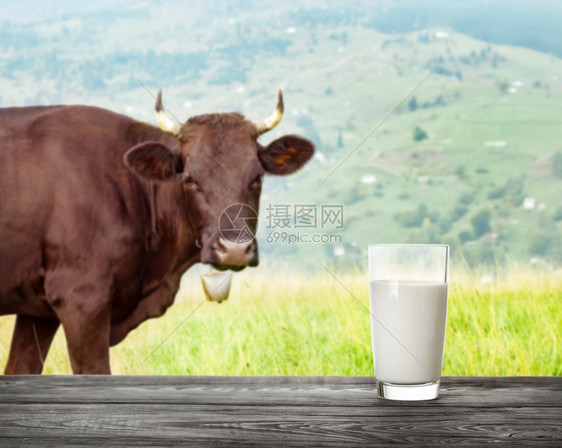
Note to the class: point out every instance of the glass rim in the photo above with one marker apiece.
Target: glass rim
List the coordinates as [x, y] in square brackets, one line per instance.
[408, 245]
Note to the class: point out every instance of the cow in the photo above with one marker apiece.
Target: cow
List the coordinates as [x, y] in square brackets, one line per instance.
[101, 214]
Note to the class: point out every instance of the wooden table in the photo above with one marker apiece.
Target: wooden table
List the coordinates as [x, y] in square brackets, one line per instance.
[274, 411]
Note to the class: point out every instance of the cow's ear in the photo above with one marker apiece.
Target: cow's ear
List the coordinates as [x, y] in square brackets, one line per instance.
[153, 160]
[286, 154]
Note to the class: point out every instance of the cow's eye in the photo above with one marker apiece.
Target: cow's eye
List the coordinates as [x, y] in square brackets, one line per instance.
[256, 182]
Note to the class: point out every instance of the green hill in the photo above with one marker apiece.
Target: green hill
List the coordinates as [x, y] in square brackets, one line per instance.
[488, 116]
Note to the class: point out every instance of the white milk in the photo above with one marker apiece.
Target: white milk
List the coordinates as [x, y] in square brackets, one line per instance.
[408, 330]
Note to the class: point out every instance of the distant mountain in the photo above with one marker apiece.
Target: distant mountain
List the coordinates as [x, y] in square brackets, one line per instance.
[524, 23]
[423, 133]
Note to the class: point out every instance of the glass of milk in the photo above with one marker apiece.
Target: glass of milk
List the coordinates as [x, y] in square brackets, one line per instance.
[408, 286]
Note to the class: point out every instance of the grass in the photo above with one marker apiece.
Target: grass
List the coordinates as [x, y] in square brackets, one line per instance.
[307, 324]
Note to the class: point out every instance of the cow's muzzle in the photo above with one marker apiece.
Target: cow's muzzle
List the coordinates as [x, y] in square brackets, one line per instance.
[233, 255]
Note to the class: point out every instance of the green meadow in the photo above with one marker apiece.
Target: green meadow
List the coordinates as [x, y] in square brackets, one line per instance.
[505, 323]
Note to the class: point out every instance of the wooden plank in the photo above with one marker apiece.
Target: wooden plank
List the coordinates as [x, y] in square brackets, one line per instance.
[177, 423]
[266, 411]
[123, 424]
[295, 391]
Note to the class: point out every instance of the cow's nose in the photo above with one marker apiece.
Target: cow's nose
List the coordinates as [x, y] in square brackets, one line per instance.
[236, 254]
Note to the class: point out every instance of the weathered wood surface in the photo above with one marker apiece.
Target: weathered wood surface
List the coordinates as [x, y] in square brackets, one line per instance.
[274, 411]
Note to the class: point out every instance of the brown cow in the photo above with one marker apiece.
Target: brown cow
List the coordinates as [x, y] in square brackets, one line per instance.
[100, 215]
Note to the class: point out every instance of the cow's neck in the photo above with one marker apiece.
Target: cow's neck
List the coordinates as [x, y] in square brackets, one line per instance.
[170, 244]
[170, 240]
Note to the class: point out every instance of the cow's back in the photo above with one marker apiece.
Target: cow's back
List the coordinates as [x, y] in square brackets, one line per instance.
[58, 153]
[65, 136]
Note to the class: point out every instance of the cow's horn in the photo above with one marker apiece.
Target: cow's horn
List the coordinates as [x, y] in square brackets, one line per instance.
[162, 119]
[273, 120]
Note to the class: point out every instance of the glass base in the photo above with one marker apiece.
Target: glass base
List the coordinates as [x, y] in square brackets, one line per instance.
[408, 392]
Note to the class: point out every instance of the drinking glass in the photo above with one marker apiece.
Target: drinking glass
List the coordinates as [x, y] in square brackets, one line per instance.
[408, 287]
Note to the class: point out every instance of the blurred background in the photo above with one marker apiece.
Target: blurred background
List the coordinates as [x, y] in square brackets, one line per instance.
[434, 121]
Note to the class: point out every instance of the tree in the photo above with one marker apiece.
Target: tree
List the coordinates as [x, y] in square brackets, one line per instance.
[503, 86]
[496, 192]
[481, 222]
[416, 217]
[413, 104]
[466, 198]
[458, 212]
[465, 235]
[445, 225]
[419, 134]
[460, 171]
